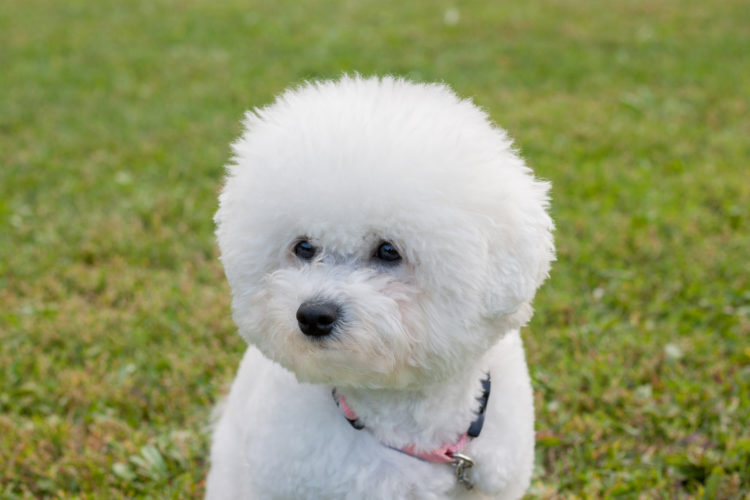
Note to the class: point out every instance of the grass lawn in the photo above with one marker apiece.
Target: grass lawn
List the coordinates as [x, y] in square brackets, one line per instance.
[115, 120]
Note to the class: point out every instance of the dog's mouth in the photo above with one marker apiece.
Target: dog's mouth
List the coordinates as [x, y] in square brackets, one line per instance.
[329, 342]
[340, 338]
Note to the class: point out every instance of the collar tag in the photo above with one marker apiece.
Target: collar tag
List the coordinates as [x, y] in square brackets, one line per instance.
[462, 463]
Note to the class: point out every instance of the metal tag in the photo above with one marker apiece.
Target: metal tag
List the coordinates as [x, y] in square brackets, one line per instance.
[462, 464]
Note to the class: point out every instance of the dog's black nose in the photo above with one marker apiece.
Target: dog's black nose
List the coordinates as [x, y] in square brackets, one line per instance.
[317, 319]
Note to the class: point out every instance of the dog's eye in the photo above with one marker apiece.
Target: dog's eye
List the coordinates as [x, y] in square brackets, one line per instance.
[304, 250]
[386, 252]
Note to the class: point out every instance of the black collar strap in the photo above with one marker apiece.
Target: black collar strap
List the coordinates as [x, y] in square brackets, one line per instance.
[476, 426]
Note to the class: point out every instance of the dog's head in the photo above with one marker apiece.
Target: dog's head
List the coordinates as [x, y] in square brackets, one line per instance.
[379, 233]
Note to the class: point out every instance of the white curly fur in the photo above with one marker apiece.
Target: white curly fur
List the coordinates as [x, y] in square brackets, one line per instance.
[346, 165]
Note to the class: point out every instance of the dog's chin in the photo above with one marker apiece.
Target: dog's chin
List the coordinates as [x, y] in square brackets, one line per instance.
[336, 362]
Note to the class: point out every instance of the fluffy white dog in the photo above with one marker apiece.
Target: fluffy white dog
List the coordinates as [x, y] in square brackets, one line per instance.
[383, 242]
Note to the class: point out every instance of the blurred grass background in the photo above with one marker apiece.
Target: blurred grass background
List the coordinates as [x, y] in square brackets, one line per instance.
[115, 120]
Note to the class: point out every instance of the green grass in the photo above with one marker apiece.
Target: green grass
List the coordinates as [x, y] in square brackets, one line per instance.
[115, 120]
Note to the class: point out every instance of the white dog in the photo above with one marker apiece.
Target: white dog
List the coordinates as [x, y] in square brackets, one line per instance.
[383, 243]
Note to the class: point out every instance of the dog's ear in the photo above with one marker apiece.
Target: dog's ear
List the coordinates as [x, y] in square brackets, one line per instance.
[521, 250]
